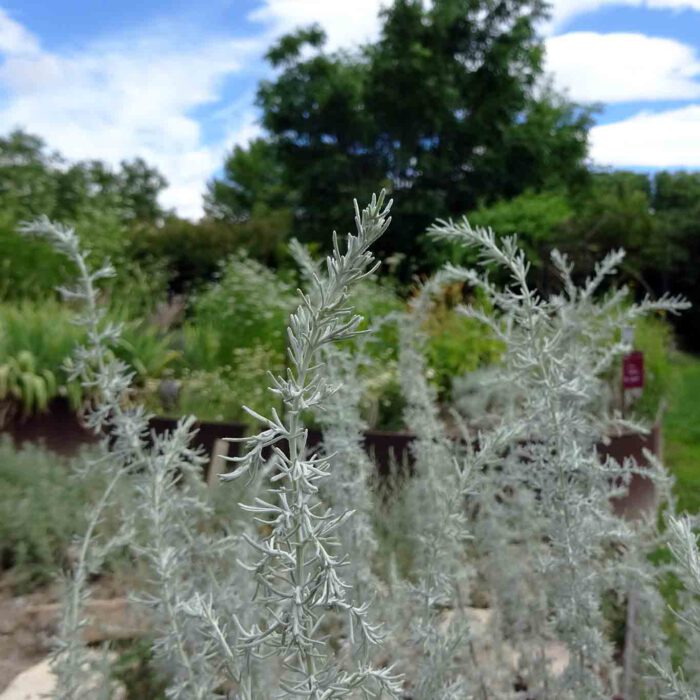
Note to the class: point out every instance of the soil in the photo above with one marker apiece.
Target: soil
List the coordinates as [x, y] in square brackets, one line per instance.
[28, 622]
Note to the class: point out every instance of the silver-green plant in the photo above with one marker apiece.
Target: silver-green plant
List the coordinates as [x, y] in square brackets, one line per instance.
[348, 486]
[558, 350]
[446, 472]
[298, 569]
[164, 475]
[435, 496]
[684, 548]
[107, 381]
[523, 508]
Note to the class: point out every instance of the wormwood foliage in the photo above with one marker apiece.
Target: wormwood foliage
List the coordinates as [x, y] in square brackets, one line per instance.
[161, 514]
[298, 568]
[98, 371]
[436, 496]
[684, 547]
[348, 486]
[558, 350]
[518, 514]
[348, 489]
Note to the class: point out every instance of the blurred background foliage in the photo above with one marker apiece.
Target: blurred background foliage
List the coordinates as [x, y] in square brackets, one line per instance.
[204, 303]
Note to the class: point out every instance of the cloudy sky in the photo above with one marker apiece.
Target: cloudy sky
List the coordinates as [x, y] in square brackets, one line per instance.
[173, 81]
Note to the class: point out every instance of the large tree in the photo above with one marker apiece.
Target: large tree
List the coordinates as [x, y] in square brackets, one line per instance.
[100, 201]
[34, 181]
[676, 205]
[448, 108]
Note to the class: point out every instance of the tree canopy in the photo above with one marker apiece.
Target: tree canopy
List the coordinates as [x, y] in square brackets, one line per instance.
[449, 108]
[100, 201]
[35, 181]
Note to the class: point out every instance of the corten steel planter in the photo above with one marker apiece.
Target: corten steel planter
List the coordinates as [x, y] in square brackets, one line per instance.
[61, 431]
[207, 433]
[641, 495]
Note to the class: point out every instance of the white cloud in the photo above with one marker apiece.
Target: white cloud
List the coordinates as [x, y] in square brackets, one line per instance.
[352, 22]
[346, 23]
[622, 67]
[14, 38]
[668, 139]
[143, 94]
[562, 11]
[125, 97]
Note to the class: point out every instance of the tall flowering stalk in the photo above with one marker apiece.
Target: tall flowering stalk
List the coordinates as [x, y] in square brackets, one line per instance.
[298, 570]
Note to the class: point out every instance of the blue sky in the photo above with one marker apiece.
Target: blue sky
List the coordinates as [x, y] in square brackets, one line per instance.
[174, 81]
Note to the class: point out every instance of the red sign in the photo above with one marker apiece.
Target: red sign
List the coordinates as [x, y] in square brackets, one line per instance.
[633, 370]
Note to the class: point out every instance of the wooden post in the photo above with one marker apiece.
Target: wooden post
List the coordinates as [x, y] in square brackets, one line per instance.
[217, 465]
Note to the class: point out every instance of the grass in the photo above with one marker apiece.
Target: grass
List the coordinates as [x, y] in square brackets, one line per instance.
[682, 431]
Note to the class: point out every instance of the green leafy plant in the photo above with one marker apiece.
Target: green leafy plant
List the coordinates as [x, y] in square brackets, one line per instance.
[456, 345]
[42, 508]
[653, 335]
[20, 381]
[35, 339]
[248, 304]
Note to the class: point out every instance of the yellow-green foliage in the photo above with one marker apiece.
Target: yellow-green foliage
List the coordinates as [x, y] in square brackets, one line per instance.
[682, 430]
[35, 339]
[21, 381]
[220, 392]
[248, 306]
[147, 350]
[456, 344]
[654, 337]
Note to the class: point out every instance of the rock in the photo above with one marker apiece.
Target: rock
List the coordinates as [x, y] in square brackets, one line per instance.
[37, 683]
[34, 683]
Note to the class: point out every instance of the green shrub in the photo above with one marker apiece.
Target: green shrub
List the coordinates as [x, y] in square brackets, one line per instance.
[248, 305]
[456, 344]
[218, 394]
[28, 269]
[21, 383]
[139, 673]
[35, 340]
[236, 332]
[146, 349]
[193, 252]
[33, 270]
[654, 337]
[41, 510]
[43, 329]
